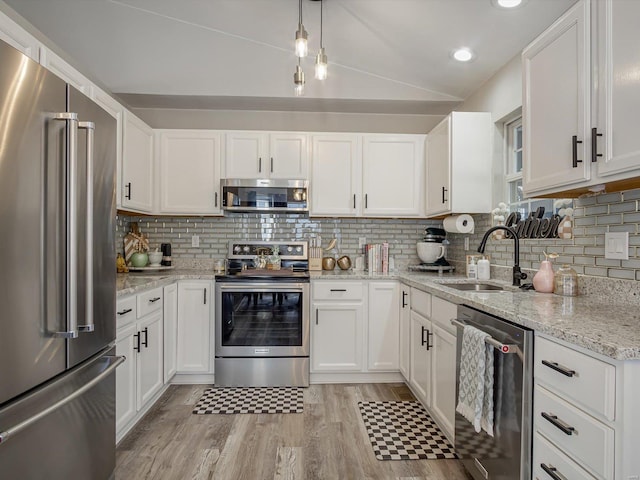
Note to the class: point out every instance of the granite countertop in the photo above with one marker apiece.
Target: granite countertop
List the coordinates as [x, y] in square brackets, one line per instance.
[603, 326]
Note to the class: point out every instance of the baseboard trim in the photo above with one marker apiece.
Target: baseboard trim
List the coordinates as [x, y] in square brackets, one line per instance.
[192, 379]
[357, 377]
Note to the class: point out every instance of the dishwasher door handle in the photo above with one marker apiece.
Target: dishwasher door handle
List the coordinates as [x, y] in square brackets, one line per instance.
[501, 347]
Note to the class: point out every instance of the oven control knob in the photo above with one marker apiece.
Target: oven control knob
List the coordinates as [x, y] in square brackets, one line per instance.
[298, 249]
[246, 248]
[289, 249]
[236, 249]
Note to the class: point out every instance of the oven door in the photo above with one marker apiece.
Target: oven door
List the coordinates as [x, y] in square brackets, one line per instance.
[262, 319]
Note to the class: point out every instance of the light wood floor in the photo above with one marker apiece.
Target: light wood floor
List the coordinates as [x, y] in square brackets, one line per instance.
[327, 441]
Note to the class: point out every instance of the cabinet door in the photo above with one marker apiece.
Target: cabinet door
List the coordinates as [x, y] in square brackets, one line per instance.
[421, 357]
[126, 373]
[170, 333]
[246, 155]
[189, 172]
[405, 330]
[557, 104]
[438, 168]
[443, 396]
[618, 101]
[194, 327]
[137, 164]
[392, 175]
[288, 155]
[336, 170]
[19, 38]
[384, 326]
[150, 366]
[337, 337]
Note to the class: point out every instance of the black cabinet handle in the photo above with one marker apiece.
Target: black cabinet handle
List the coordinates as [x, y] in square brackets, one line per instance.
[215, 201]
[429, 344]
[404, 295]
[124, 312]
[444, 191]
[338, 290]
[136, 346]
[552, 472]
[271, 164]
[316, 316]
[354, 200]
[574, 145]
[366, 202]
[259, 164]
[128, 187]
[154, 300]
[205, 295]
[559, 368]
[145, 343]
[553, 419]
[594, 144]
[422, 339]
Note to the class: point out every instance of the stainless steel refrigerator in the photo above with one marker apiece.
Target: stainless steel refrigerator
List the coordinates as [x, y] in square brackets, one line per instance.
[57, 277]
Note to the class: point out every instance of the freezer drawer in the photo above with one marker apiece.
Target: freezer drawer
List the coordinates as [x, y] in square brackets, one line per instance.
[75, 440]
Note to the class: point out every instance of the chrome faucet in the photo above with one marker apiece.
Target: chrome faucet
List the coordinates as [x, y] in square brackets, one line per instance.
[517, 273]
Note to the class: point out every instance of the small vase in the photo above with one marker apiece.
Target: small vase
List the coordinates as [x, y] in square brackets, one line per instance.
[543, 280]
[139, 259]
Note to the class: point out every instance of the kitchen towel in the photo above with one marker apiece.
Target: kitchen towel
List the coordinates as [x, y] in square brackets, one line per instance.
[459, 224]
[475, 394]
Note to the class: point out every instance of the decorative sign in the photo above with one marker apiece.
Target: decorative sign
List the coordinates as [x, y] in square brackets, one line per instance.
[534, 226]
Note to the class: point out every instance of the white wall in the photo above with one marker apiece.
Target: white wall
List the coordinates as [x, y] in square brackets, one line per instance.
[501, 95]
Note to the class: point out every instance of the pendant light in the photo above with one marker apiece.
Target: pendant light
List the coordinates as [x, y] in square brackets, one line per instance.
[321, 58]
[301, 36]
[298, 80]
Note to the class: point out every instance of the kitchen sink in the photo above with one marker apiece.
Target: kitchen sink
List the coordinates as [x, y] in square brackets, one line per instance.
[475, 287]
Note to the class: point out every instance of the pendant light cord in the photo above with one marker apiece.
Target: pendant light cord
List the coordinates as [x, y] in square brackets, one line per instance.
[321, 3]
[300, 12]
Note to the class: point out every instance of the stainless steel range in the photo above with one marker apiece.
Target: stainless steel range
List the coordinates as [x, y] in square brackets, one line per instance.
[262, 317]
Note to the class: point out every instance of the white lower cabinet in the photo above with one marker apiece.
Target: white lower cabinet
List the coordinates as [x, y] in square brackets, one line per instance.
[443, 368]
[140, 340]
[383, 348]
[337, 326]
[170, 319]
[405, 330]
[420, 376]
[194, 333]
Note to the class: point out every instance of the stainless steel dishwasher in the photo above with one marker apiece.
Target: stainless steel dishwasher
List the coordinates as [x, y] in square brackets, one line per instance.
[506, 455]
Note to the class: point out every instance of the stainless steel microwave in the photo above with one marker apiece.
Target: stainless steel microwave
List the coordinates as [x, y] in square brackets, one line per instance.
[265, 195]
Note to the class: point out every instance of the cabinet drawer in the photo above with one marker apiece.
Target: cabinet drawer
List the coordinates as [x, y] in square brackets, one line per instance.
[125, 311]
[421, 302]
[590, 442]
[442, 312]
[149, 302]
[544, 453]
[586, 381]
[338, 290]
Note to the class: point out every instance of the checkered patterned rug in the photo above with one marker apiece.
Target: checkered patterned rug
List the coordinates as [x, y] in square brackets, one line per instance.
[403, 431]
[250, 400]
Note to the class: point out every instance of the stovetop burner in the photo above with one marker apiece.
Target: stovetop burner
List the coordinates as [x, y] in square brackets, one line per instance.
[294, 264]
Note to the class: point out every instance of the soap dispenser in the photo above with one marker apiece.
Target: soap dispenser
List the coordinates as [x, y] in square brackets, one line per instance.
[484, 269]
[472, 271]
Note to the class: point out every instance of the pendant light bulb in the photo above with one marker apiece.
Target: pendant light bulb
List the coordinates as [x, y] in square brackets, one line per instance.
[301, 42]
[321, 65]
[298, 80]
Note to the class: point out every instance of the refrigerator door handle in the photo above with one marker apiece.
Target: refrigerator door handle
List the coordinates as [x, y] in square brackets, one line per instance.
[10, 432]
[89, 325]
[71, 120]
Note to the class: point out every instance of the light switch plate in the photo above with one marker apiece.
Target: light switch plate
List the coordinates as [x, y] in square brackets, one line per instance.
[195, 241]
[616, 245]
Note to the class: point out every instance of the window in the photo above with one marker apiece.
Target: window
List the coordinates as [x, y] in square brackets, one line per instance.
[516, 200]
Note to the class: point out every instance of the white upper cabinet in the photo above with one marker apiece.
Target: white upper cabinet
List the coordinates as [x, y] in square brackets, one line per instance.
[137, 165]
[459, 157]
[618, 102]
[54, 63]
[581, 101]
[266, 155]
[556, 105]
[392, 178]
[18, 38]
[189, 171]
[336, 169]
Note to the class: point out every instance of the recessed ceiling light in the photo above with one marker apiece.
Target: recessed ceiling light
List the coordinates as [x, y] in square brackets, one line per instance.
[507, 3]
[463, 54]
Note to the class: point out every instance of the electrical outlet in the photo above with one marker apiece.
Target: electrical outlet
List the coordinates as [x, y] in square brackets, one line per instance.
[616, 245]
[466, 243]
[195, 241]
[362, 242]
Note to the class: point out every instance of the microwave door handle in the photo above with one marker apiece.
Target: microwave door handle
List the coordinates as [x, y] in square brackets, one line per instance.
[71, 119]
[89, 325]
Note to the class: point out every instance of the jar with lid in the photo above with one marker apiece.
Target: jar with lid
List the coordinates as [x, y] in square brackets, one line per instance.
[566, 281]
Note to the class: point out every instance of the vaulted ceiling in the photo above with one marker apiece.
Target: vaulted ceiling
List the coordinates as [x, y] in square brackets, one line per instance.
[379, 50]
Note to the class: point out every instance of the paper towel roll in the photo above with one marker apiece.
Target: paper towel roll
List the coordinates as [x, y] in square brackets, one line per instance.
[459, 224]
